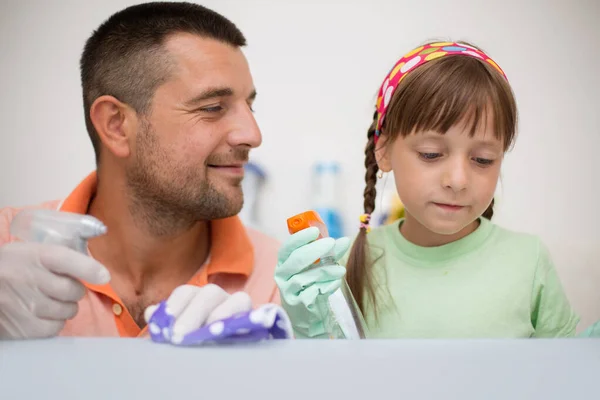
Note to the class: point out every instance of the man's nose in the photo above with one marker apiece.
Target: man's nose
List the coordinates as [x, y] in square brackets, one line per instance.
[245, 130]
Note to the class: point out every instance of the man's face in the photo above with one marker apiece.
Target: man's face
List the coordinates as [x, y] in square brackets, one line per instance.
[191, 148]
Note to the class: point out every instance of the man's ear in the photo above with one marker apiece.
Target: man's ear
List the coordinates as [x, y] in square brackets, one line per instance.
[382, 154]
[116, 124]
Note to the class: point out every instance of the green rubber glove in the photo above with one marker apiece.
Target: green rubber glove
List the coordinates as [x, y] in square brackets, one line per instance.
[304, 290]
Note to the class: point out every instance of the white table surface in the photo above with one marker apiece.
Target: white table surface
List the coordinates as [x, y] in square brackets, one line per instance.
[86, 369]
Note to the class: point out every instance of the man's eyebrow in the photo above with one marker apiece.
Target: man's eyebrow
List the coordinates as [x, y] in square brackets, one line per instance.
[214, 93]
[210, 94]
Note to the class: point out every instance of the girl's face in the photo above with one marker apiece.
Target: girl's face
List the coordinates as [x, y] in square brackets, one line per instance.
[445, 181]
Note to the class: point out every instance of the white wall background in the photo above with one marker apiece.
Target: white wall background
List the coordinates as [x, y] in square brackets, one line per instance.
[317, 66]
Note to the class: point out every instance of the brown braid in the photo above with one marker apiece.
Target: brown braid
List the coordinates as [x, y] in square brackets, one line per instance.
[359, 277]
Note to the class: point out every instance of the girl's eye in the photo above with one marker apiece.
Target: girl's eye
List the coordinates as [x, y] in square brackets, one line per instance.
[483, 161]
[429, 156]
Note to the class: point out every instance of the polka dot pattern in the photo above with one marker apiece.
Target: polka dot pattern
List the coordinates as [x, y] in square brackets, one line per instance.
[454, 48]
[414, 59]
[472, 53]
[396, 69]
[216, 328]
[410, 64]
[264, 323]
[428, 50]
[160, 324]
[435, 55]
[154, 329]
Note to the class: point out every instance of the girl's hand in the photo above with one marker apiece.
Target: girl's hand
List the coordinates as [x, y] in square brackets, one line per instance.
[304, 289]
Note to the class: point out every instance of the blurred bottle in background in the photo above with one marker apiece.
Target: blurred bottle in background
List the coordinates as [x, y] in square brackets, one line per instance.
[254, 180]
[388, 206]
[326, 180]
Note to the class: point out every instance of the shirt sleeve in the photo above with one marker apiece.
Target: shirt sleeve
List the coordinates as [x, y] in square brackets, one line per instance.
[591, 332]
[6, 216]
[552, 315]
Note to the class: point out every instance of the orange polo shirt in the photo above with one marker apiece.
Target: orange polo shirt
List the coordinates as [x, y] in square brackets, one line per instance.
[241, 259]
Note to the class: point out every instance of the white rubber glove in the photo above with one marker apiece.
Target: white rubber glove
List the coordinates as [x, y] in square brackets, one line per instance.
[40, 288]
[193, 307]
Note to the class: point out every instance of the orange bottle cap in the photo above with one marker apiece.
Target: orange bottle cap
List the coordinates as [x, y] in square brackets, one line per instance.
[306, 220]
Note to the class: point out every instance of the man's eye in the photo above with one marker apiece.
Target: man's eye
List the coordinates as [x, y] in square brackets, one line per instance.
[213, 109]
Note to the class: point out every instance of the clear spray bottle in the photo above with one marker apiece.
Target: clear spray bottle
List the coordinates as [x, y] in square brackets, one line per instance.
[344, 319]
[57, 228]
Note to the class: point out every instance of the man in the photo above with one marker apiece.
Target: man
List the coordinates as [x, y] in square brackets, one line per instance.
[168, 99]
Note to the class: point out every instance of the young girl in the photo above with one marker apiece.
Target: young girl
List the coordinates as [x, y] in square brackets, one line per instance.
[445, 117]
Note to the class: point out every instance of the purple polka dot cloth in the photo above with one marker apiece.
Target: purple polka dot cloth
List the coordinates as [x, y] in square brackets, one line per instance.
[266, 322]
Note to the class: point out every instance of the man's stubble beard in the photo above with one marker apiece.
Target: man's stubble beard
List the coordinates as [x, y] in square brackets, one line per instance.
[167, 198]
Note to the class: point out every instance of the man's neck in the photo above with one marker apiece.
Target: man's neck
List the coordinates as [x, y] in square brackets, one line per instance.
[145, 266]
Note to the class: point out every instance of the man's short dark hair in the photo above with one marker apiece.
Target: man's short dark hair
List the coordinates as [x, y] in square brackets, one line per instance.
[125, 57]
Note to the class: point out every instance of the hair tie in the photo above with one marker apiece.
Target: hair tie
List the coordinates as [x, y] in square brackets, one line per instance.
[364, 222]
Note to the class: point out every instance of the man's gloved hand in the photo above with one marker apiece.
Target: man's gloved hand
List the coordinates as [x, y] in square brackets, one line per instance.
[40, 288]
[190, 307]
[304, 290]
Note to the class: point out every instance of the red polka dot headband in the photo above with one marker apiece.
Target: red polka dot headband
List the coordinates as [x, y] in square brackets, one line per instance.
[412, 60]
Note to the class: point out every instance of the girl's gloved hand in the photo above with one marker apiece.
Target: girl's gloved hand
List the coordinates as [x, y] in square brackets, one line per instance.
[305, 290]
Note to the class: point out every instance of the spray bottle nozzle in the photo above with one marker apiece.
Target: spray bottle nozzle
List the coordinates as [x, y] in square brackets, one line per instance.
[56, 227]
[305, 220]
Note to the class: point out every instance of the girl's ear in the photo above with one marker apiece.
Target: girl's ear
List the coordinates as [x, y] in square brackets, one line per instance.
[382, 154]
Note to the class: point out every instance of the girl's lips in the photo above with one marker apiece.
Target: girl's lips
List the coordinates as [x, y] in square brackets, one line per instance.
[449, 207]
